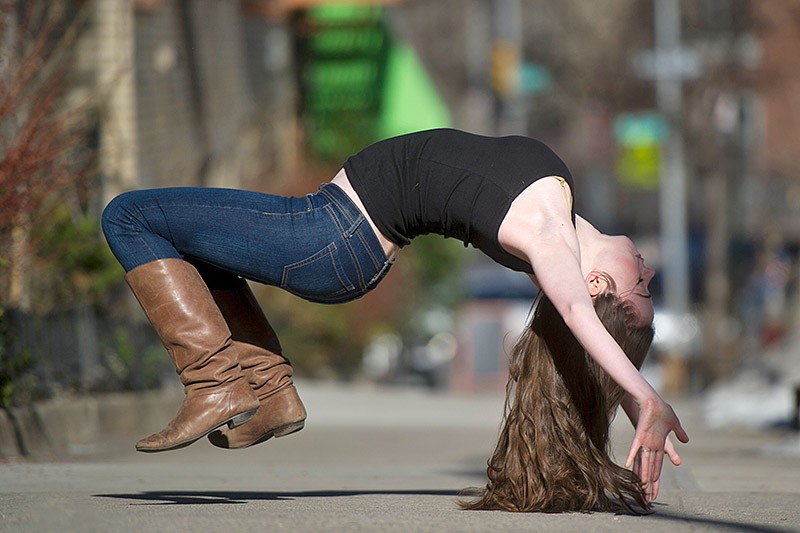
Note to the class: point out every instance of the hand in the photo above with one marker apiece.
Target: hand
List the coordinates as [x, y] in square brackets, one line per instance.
[651, 442]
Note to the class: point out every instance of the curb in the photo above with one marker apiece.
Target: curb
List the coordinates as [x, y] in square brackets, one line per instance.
[9, 445]
[52, 429]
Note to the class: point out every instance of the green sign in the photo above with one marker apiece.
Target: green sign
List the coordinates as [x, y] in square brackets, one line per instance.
[343, 52]
[642, 128]
[360, 86]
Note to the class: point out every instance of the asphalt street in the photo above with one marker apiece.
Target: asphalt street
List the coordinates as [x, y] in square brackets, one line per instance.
[383, 460]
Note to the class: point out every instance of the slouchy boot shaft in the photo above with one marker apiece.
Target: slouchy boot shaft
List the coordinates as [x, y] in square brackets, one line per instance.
[280, 411]
[179, 305]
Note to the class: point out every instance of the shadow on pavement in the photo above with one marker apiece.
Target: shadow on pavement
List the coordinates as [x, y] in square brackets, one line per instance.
[662, 512]
[225, 497]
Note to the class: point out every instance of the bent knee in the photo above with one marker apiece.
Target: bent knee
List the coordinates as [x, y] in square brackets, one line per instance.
[121, 212]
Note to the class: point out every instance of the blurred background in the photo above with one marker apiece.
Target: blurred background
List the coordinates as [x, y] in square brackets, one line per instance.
[680, 121]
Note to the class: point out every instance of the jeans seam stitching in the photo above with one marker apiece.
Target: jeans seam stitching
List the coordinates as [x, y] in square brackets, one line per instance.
[375, 260]
[339, 205]
[347, 245]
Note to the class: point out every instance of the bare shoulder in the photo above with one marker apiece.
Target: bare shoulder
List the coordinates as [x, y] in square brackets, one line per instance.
[544, 207]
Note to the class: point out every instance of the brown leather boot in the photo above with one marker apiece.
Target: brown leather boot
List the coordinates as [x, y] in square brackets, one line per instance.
[180, 308]
[281, 411]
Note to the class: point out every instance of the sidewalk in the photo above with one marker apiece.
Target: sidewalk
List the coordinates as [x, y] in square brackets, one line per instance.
[374, 459]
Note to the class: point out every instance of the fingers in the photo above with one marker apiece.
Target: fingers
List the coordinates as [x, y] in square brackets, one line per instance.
[648, 466]
[651, 468]
[675, 458]
[658, 462]
[669, 449]
[655, 478]
[646, 474]
[632, 454]
[681, 434]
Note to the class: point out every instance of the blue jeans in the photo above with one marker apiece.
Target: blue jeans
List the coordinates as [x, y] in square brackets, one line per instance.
[319, 247]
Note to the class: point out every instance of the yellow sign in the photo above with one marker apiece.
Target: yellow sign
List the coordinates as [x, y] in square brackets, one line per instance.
[639, 165]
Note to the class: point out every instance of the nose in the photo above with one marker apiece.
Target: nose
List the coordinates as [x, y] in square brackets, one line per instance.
[649, 273]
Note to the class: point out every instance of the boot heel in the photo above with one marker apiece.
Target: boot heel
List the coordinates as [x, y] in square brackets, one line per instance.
[241, 418]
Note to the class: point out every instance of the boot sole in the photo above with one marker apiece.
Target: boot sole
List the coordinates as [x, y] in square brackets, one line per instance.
[232, 422]
[279, 432]
[289, 429]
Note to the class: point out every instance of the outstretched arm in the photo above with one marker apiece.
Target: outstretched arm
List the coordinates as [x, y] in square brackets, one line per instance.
[538, 229]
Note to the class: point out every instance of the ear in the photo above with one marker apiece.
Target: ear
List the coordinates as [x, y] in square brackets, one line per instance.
[597, 283]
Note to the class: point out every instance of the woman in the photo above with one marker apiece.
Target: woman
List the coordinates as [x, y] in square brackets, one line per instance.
[186, 252]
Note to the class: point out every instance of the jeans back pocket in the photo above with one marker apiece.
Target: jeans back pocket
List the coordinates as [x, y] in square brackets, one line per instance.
[318, 278]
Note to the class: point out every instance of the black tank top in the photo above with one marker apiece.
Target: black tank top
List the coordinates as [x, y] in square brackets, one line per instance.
[451, 183]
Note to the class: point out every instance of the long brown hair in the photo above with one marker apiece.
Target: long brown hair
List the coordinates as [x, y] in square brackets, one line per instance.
[553, 451]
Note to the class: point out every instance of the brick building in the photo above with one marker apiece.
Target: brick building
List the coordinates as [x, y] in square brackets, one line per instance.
[778, 88]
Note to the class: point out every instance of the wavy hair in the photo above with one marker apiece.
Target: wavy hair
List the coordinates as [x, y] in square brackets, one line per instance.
[553, 453]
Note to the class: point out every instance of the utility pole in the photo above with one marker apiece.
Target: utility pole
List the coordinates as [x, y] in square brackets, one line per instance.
[113, 23]
[669, 76]
[506, 66]
[477, 109]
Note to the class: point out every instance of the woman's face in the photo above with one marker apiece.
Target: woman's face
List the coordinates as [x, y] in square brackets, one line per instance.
[623, 262]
